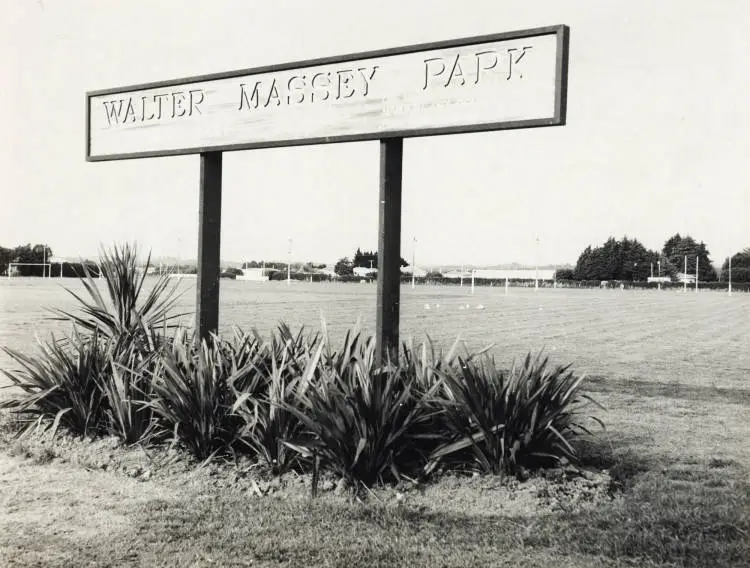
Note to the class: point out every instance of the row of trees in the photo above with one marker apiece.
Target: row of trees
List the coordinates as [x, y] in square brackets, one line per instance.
[740, 267]
[25, 253]
[366, 259]
[629, 260]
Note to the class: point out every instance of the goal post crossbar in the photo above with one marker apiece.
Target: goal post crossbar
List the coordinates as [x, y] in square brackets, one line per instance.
[44, 264]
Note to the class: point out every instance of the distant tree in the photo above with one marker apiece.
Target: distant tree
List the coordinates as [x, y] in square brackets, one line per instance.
[5, 260]
[25, 253]
[676, 248]
[672, 246]
[365, 259]
[369, 259]
[740, 267]
[583, 264]
[344, 267]
[626, 259]
[565, 274]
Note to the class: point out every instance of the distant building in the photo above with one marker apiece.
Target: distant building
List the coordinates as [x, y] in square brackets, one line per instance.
[457, 274]
[503, 273]
[363, 272]
[418, 272]
[656, 279]
[253, 274]
[682, 277]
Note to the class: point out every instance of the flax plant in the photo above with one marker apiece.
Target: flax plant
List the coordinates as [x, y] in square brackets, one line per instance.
[500, 422]
[361, 415]
[125, 312]
[60, 385]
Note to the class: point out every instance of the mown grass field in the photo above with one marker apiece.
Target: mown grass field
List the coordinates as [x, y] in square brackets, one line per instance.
[664, 337]
[671, 369]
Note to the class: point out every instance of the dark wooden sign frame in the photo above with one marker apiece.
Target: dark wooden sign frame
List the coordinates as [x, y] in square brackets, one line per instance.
[391, 159]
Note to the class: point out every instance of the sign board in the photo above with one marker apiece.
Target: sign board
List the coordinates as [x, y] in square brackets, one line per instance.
[509, 80]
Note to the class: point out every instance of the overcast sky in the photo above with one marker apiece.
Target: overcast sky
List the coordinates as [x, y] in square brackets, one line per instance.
[657, 139]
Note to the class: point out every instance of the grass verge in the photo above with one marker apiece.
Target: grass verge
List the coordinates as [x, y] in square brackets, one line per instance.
[66, 509]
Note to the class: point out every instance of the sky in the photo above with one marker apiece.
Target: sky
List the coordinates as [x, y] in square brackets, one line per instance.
[657, 138]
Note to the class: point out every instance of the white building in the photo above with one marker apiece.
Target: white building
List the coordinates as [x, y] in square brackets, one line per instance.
[418, 272]
[253, 274]
[364, 272]
[503, 273]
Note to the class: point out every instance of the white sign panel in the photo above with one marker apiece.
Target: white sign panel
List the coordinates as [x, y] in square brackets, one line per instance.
[493, 82]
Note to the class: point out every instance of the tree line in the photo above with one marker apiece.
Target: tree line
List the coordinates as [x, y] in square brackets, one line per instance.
[27, 253]
[366, 259]
[39, 255]
[628, 260]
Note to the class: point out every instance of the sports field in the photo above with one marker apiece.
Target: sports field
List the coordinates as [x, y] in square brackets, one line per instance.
[694, 339]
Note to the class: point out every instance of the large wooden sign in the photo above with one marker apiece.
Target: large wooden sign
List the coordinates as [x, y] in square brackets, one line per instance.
[509, 80]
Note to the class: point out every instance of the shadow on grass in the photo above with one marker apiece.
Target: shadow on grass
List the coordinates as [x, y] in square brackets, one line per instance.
[615, 454]
[658, 521]
[596, 384]
[687, 514]
[688, 511]
[699, 519]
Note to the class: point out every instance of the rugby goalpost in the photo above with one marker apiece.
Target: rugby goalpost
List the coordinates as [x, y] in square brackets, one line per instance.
[43, 264]
[46, 273]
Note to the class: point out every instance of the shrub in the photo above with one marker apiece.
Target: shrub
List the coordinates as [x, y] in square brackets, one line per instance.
[123, 317]
[126, 386]
[100, 378]
[244, 352]
[360, 415]
[502, 422]
[276, 377]
[192, 398]
[61, 384]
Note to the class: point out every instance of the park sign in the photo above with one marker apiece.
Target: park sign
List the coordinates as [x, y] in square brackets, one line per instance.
[508, 80]
[501, 81]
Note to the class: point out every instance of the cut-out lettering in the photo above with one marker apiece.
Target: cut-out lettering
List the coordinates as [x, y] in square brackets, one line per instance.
[514, 61]
[366, 79]
[195, 101]
[254, 99]
[178, 104]
[456, 73]
[486, 61]
[431, 71]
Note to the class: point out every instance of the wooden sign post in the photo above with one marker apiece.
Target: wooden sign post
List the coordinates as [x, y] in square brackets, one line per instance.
[495, 82]
[209, 245]
[389, 249]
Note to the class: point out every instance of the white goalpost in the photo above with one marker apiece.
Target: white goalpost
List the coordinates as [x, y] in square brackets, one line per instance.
[46, 272]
